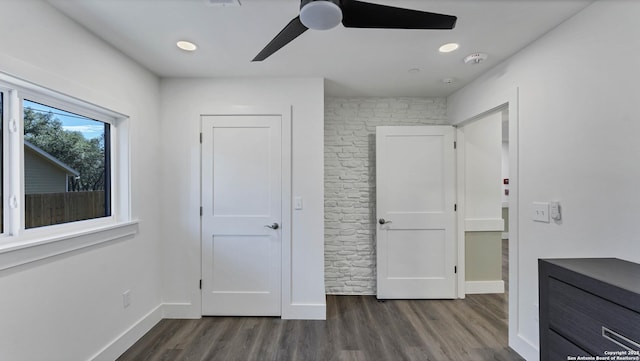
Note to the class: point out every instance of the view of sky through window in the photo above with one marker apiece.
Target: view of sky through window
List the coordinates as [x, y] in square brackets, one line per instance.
[71, 122]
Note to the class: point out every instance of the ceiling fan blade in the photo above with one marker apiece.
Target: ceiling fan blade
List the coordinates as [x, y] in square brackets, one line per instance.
[294, 29]
[358, 14]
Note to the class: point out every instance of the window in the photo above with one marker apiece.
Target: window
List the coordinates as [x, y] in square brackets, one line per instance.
[66, 166]
[64, 171]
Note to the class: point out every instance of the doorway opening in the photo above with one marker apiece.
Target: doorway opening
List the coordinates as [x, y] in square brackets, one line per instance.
[505, 142]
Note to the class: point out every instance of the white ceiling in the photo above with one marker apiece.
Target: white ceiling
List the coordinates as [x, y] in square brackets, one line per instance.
[354, 62]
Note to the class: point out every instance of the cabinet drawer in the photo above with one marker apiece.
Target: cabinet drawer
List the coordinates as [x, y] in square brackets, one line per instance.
[560, 348]
[580, 316]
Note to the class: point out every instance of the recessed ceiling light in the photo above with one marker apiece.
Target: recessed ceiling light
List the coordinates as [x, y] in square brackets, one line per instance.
[447, 48]
[186, 45]
[223, 3]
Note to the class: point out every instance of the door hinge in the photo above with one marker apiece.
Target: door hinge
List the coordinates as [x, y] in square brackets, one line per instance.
[455, 207]
[455, 269]
[455, 145]
[200, 284]
[201, 212]
[200, 138]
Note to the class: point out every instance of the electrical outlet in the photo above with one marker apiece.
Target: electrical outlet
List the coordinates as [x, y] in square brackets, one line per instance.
[541, 212]
[126, 298]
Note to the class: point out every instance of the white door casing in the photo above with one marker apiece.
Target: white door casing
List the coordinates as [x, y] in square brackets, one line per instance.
[415, 195]
[241, 197]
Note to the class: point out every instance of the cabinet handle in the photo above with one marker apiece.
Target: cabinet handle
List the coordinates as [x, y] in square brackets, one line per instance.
[620, 340]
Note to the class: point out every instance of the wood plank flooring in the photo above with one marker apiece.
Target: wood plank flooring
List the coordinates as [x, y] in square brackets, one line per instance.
[358, 328]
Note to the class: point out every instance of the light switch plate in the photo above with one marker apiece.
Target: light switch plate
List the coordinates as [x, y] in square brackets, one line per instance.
[541, 212]
[298, 203]
[554, 211]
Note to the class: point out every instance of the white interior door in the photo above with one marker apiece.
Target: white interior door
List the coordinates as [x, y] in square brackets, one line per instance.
[415, 209]
[241, 201]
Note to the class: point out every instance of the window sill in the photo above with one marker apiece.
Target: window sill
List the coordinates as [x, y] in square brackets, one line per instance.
[13, 254]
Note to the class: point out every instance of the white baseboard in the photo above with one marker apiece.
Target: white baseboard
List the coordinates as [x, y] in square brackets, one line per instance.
[185, 311]
[297, 311]
[524, 348]
[476, 287]
[180, 311]
[122, 343]
[305, 311]
[484, 224]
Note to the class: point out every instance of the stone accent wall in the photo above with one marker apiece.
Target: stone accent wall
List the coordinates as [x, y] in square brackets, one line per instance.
[349, 178]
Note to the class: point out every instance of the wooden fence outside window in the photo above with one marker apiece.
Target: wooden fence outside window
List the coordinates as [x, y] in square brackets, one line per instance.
[56, 208]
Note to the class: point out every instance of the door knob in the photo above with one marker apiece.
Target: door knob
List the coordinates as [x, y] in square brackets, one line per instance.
[273, 226]
[383, 221]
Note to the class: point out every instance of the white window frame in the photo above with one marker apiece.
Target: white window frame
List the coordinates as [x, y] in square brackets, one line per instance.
[18, 245]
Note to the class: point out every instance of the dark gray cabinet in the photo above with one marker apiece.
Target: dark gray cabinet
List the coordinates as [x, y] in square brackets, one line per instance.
[588, 307]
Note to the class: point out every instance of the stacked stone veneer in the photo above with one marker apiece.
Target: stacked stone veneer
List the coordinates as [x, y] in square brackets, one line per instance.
[350, 182]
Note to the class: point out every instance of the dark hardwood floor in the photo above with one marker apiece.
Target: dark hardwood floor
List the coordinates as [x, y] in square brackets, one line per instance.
[358, 328]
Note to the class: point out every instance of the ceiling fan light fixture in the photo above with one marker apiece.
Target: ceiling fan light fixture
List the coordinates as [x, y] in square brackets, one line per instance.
[320, 14]
[327, 14]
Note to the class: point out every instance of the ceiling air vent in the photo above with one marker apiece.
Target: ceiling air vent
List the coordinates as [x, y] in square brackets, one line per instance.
[225, 3]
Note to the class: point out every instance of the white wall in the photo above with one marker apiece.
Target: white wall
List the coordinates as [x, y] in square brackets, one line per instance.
[482, 146]
[577, 143]
[70, 307]
[182, 103]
